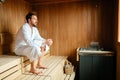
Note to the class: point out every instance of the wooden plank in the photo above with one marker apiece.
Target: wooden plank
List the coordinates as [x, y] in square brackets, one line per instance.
[8, 62]
[27, 75]
[54, 63]
[20, 77]
[50, 66]
[48, 78]
[36, 78]
[47, 60]
[12, 76]
[58, 69]
[45, 70]
[53, 73]
[31, 77]
[10, 71]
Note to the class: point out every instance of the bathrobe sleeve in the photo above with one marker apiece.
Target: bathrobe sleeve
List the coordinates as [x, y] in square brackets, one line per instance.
[27, 36]
[38, 40]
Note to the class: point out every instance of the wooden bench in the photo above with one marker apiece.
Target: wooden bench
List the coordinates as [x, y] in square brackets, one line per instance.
[17, 68]
[10, 66]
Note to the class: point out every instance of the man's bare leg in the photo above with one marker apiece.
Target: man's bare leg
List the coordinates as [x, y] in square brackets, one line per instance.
[33, 68]
[39, 63]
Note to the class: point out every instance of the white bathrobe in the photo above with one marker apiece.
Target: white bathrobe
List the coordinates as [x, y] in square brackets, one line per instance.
[28, 43]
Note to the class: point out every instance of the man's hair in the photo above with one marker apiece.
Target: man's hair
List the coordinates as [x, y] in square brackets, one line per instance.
[29, 15]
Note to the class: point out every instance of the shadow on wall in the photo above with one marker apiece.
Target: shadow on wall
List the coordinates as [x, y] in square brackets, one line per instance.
[6, 43]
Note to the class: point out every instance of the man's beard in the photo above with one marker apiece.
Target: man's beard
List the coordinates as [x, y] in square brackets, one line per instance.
[34, 25]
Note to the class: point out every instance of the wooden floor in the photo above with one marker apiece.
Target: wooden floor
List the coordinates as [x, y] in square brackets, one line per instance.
[15, 68]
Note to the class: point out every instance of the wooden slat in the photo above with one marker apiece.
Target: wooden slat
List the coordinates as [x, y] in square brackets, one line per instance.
[27, 68]
[13, 76]
[31, 77]
[51, 73]
[48, 78]
[10, 71]
[49, 65]
[47, 60]
[59, 70]
[26, 75]
[8, 61]
[36, 78]
[19, 77]
[53, 63]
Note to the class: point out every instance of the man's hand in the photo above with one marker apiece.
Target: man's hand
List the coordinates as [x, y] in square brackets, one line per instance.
[49, 42]
[43, 48]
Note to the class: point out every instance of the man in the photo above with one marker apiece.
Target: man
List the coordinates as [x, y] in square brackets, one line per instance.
[29, 42]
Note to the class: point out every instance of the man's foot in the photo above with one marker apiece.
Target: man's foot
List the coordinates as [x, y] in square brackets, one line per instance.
[42, 67]
[36, 72]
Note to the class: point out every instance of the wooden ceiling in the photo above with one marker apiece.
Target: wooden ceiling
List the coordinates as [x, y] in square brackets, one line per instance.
[43, 2]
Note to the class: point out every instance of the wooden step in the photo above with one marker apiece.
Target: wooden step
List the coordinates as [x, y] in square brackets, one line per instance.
[9, 65]
[12, 66]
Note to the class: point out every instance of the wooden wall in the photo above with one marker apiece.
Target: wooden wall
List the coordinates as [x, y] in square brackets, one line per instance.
[12, 16]
[70, 25]
[76, 24]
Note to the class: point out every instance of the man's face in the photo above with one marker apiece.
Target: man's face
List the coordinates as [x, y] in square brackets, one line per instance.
[33, 20]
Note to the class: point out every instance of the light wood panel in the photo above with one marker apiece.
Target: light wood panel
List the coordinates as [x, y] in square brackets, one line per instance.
[76, 24]
[12, 18]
